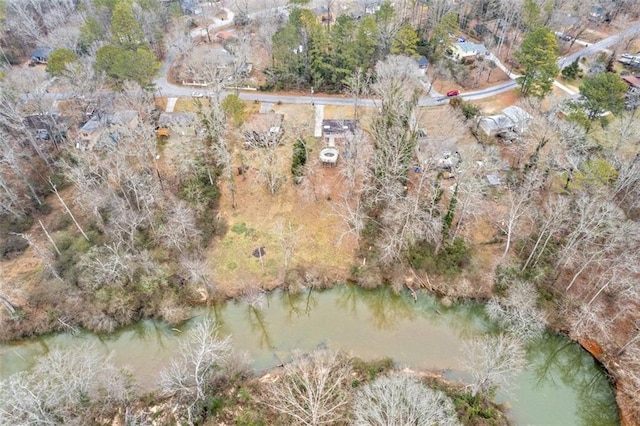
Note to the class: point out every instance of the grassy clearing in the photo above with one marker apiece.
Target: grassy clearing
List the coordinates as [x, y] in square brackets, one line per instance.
[188, 104]
[305, 210]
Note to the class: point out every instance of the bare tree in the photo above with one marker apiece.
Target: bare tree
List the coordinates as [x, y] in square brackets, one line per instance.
[518, 312]
[264, 143]
[201, 361]
[287, 234]
[105, 265]
[267, 27]
[313, 389]
[518, 197]
[402, 400]
[494, 362]
[67, 386]
[394, 130]
[411, 219]
[179, 230]
[358, 86]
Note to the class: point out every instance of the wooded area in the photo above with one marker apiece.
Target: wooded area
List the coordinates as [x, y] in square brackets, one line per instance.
[104, 221]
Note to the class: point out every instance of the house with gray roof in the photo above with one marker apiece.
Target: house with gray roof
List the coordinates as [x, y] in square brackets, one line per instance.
[513, 119]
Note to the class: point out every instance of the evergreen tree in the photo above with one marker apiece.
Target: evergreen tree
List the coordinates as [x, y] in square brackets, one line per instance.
[603, 92]
[537, 55]
[59, 59]
[406, 41]
[572, 70]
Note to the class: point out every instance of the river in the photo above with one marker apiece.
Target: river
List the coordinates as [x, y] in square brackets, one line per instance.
[562, 385]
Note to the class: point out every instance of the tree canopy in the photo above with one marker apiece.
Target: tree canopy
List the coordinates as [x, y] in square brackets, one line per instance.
[603, 92]
[59, 59]
[128, 57]
[537, 56]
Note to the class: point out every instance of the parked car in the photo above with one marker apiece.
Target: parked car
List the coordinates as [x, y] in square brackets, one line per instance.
[454, 92]
[197, 94]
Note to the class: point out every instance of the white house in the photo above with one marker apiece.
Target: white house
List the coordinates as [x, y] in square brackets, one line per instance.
[512, 119]
[466, 50]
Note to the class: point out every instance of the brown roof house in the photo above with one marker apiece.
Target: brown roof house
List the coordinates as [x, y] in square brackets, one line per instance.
[263, 130]
[335, 131]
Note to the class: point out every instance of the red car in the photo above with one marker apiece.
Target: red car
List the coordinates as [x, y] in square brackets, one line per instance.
[454, 92]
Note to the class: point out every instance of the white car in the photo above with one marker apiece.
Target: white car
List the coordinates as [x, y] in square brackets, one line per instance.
[197, 94]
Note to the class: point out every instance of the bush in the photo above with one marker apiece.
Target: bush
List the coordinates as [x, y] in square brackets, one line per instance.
[198, 190]
[449, 260]
[12, 246]
[299, 159]
[571, 72]
[474, 408]
[468, 109]
[369, 370]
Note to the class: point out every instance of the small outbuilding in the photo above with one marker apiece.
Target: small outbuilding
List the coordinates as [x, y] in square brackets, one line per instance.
[41, 55]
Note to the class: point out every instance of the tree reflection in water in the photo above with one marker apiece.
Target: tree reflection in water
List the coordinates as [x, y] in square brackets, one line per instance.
[386, 307]
[299, 303]
[259, 325]
[554, 358]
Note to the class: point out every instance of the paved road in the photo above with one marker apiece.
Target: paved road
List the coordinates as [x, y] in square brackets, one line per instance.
[601, 45]
[167, 89]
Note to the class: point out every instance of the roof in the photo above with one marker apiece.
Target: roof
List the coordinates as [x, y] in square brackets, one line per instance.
[495, 122]
[41, 52]
[516, 114]
[177, 118]
[225, 35]
[494, 180]
[338, 127]
[631, 80]
[91, 126]
[122, 118]
[470, 48]
[422, 61]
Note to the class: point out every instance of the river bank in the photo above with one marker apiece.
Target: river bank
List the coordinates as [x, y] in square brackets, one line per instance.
[423, 334]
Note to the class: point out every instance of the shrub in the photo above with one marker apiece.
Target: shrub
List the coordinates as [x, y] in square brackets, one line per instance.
[299, 159]
[468, 109]
[449, 260]
[12, 245]
[369, 370]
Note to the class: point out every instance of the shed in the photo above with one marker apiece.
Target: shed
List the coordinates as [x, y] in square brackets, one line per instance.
[631, 80]
[41, 55]
[423, 62]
